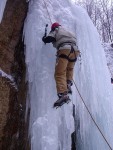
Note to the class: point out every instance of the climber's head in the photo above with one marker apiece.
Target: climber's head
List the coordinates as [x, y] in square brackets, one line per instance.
[55, 25]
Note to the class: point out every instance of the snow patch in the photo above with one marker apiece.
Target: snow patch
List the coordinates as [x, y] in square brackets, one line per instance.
[3, 74]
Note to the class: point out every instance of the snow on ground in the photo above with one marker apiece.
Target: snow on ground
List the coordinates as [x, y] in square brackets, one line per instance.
[49, 128]
[11, 79]
[3, 74]
[2, 6]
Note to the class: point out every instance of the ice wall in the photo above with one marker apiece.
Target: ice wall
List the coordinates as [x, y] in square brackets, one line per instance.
[49, 128]
[2, 6]
[93, 80]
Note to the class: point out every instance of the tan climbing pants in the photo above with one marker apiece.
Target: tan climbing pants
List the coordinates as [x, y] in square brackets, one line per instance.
[64, 70]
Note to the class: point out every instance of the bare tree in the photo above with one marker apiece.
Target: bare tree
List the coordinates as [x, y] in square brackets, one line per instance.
[101, 13]
[107, 21]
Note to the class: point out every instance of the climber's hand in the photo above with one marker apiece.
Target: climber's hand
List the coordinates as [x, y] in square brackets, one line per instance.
[44, 39]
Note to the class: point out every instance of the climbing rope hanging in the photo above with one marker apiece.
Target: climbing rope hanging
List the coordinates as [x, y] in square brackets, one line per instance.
[47, 11]
[92, 116]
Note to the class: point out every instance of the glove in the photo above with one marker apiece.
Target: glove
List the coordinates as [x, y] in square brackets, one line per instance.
[44, 39]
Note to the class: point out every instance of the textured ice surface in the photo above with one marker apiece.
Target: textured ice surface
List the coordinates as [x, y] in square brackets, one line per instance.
[49, 128]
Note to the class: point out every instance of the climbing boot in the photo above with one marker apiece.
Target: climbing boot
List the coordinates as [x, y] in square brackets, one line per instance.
[63, 98]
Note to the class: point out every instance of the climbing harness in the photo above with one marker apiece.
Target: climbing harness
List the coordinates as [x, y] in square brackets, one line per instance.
[92, 116]
[67, 56]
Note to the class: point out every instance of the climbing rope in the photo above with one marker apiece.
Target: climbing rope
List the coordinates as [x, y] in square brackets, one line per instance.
[92, 116]
[47, 11]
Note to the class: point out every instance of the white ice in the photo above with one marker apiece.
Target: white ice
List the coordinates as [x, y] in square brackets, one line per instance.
[2, 6]
[51, 129]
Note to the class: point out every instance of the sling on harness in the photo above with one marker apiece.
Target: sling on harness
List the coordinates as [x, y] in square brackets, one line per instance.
[67, 57]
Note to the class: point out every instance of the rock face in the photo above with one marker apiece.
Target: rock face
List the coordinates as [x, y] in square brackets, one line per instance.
[4, 101]
[13, 129]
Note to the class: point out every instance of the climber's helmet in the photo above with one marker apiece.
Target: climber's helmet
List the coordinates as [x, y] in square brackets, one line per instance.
[54, 26]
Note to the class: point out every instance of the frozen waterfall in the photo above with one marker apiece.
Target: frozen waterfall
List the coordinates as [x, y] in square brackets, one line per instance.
[51, 129]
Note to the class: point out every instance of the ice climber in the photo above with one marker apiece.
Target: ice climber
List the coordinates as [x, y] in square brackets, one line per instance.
[67, 52]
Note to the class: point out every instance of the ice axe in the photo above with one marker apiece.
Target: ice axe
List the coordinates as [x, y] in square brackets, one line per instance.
[45, 34]
[46, 30]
